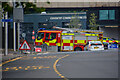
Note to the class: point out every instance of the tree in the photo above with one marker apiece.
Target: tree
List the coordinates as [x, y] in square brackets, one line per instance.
[75, 22]
[7, 7]
[29, 7]
[92, 22]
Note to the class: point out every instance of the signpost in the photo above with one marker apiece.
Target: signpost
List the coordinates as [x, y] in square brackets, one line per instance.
[6, 35]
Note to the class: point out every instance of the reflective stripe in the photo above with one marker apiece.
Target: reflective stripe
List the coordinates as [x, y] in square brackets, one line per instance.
[47, 43]
[41, 40]
[80, 41]
[52, 41]
[104, 40]
[62, 44]
[66, 41]
[67, 33]
[93, 35]
[71, 44]
[58, 44]
[87, 34]
[110, 41]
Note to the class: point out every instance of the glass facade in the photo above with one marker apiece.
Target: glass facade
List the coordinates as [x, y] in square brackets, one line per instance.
[26, 28]
[107, 15]
[111, 14]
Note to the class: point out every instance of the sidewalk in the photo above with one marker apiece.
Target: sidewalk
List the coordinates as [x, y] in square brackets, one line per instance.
[11, 55]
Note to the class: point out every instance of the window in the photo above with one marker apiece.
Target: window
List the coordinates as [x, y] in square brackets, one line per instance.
[47, 36]
[65, 24]
[111, 14]
[40, 36]
[106, 14]
[53, 36]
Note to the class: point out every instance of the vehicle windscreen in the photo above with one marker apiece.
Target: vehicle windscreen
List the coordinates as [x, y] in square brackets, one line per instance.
[95, 44]
[40, 36]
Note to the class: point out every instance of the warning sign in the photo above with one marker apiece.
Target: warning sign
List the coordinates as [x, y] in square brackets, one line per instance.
[25, 46]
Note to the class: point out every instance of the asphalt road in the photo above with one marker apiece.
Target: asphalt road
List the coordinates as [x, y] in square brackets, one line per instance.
[84, 64]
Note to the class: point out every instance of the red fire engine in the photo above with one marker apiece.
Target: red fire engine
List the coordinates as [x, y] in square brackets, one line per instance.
[64, 40]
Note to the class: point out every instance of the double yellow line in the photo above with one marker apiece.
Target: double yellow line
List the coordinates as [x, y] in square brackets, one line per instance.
[10, 61]
[55, 68]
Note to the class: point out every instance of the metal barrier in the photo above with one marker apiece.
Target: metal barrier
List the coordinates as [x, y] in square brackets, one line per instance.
[46, 48]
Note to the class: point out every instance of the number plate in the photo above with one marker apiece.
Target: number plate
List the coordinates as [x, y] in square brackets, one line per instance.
[96, 47]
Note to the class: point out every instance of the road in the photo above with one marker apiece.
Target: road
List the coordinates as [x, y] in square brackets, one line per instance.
[84, 64]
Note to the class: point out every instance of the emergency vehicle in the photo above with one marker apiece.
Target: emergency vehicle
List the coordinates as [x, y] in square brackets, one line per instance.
[110, 40]
[65, 40]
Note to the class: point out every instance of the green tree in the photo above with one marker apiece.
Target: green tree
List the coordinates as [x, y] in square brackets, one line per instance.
[92, 22]
[7, 7]
[75, 22]
[29, 7]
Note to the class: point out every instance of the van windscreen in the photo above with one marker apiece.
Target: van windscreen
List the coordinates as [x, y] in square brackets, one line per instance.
[40, 36]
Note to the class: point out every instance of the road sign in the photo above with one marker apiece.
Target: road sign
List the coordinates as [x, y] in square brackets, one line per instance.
[7, 20]
[23, 34]
[25, 46]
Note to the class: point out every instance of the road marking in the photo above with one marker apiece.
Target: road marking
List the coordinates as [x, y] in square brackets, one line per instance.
[55, 67]
[20, 67]
[10, 61]
[46, 57]
[25, 68]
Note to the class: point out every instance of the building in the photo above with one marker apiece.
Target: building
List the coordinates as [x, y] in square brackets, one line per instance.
[107, 14]
[37, 21]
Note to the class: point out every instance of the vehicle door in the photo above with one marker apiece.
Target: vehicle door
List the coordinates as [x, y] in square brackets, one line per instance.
[51, 39]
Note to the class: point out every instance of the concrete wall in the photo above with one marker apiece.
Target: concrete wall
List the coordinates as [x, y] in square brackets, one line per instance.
[73, 3]
[111, 32]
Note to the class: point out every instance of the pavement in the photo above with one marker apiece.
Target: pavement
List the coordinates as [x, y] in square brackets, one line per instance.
[11, 55]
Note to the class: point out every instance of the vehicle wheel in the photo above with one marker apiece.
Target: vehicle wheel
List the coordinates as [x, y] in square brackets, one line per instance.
[78, 49]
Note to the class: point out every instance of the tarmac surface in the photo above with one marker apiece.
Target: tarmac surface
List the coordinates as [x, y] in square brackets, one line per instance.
[81, 64]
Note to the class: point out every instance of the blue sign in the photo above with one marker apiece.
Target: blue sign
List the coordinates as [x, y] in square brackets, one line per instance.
[7, 20]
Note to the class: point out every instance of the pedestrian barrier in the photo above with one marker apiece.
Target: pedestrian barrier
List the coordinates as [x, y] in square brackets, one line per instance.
[46, 48]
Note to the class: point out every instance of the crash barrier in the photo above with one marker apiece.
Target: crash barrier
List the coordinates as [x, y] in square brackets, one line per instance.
[46, 48]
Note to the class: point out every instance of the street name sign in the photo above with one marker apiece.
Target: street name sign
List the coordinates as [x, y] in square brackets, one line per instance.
[7, 20]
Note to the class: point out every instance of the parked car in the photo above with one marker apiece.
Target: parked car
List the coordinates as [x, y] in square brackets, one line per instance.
[94, 45]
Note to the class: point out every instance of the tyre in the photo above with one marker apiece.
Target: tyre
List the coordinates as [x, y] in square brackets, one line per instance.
[78, 49]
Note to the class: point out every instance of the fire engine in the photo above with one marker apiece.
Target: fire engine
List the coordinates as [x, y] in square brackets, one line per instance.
[65, 40]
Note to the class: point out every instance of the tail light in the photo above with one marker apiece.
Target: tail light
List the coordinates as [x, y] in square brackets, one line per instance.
[89, 45]
[102, 45]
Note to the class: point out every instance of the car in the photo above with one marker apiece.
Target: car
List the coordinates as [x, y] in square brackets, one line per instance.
[93, 46]
[110, 40]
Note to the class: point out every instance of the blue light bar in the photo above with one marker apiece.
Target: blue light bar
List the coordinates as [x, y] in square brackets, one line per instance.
[42, 28]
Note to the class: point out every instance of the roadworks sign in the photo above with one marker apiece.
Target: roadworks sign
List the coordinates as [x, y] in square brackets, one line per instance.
[25, 46]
